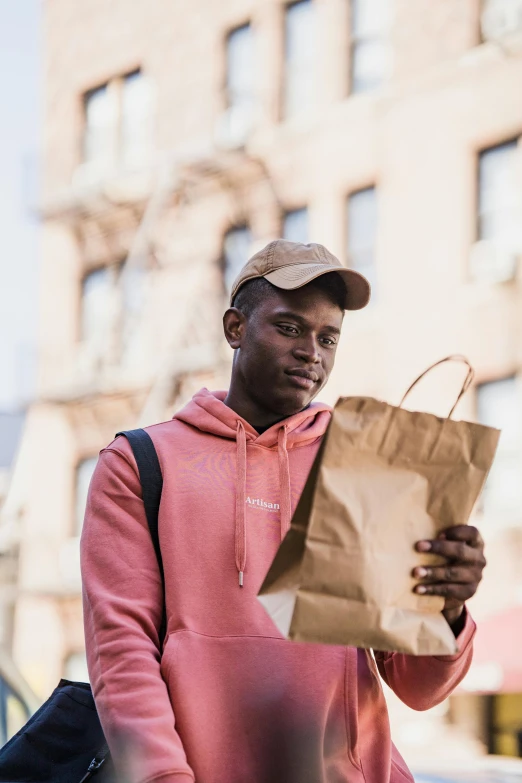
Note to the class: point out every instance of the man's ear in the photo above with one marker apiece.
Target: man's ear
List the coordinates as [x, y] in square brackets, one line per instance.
[234, 323]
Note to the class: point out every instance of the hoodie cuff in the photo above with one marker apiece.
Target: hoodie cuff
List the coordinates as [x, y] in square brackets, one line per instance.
[464, 639]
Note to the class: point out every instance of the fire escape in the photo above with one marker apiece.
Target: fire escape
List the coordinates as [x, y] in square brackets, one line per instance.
[132, 218]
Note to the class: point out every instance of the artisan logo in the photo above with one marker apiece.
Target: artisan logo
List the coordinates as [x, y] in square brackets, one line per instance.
[262, 504]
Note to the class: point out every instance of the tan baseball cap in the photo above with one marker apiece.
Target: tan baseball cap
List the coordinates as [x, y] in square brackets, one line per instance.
[290, 265]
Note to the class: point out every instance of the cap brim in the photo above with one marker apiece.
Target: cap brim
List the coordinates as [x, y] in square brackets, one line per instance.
[358, 289]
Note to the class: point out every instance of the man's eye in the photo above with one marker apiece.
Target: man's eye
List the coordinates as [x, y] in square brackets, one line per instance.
[328, 341]
[288, 328]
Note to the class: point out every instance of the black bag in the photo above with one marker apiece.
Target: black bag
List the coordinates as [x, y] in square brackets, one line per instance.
[63, 742]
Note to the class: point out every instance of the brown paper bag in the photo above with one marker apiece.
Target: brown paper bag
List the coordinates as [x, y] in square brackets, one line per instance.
[384, 478]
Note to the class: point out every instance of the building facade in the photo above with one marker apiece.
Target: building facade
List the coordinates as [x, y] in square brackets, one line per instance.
[179, 138]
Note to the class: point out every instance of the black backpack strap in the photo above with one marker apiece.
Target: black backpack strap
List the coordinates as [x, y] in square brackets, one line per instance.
[151, 486]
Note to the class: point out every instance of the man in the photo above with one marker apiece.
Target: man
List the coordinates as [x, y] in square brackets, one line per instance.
[229, 700]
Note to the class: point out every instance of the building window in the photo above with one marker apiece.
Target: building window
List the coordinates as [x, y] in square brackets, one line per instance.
[300, 58]
[84, 471]
[118, 123]
[14, 712]
[499, 19]
[499, 404]
[295, 225]
[370, 45]
[75, 667]
[498, 194]
[362, 233]
[236, 252]
[240, 82]
[136, 127]
[494, 257]
[97, 296]
[132, 292]
[113, 299]
[100, 113]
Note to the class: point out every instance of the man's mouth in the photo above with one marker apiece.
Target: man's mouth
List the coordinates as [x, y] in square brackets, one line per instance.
[304, 379]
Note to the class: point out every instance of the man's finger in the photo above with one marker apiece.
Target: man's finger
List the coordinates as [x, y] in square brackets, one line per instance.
[458, 592]
[450, 573]
[457, 551]
[467, 533]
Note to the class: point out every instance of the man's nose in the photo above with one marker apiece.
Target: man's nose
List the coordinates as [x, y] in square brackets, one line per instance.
[308, 350]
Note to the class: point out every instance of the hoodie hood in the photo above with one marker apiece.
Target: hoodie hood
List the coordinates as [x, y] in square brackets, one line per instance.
[208, 413]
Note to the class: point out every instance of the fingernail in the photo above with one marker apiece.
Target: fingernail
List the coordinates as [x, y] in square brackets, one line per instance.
[421, 572]
[424, 546]
[420, 589]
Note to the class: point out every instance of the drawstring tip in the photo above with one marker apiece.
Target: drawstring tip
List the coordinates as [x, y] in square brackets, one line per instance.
[241, 578]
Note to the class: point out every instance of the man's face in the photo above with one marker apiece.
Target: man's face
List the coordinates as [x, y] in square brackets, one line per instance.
[287, 349]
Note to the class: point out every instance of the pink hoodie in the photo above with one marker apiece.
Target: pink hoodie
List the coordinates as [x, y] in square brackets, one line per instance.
[230, 700]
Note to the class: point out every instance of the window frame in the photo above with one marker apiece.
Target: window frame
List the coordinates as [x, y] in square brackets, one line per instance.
[474, 214]
[114, 269]
[86, 273]
[353, 41]
[121, 153]
[479, 152]
[75, 529]
[284, 114]
[6, 690]
[369, 185]
[239, 226]
[71, 653]
[83, 160]
[248, 22]
[515, 376]
[293, 210]
[116, 85]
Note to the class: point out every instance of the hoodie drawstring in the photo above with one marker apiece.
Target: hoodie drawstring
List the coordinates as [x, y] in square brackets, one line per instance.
[240, 502]
[284, 483]
[285, 493]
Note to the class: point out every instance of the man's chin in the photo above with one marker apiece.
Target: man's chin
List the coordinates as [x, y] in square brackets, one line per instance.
[286, 405]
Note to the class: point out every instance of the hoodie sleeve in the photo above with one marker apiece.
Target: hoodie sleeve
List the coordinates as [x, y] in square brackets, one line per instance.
[123, 605]
[423, 681]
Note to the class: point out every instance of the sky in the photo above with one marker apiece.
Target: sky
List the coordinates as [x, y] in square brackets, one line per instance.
[20, 74]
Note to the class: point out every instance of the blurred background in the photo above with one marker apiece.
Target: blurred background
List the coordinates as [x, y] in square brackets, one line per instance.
[147, 149]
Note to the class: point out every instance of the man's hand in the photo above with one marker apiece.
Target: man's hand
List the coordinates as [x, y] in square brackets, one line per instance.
[457, 580]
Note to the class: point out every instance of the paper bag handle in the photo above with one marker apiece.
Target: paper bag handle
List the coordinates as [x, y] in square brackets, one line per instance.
[468, 380]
